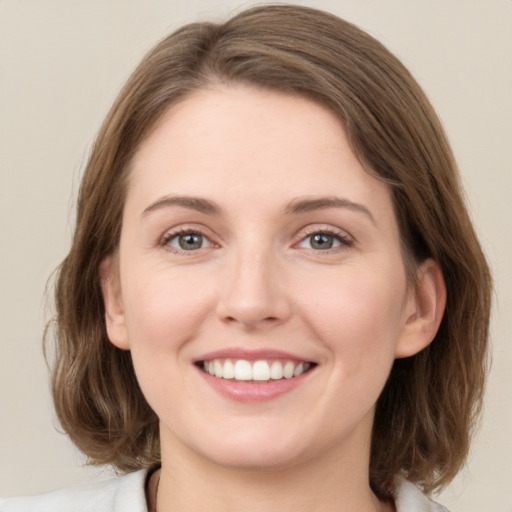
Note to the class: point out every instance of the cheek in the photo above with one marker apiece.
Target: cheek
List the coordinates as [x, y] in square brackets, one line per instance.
[164, 311]
[163, 308]
[358, 314]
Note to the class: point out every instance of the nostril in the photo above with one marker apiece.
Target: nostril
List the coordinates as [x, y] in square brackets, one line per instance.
[243, 320]
[252, 309]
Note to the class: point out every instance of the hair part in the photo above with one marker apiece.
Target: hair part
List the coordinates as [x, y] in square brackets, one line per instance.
[427, 410]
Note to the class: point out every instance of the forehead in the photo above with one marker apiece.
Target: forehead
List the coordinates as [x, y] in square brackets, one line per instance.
[252, 142]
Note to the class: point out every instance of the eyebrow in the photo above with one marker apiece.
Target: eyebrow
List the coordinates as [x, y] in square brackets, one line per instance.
[192, 203]
[309, 204]
[296, 206]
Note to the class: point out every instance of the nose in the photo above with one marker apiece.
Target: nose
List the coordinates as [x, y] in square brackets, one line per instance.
[253, 294]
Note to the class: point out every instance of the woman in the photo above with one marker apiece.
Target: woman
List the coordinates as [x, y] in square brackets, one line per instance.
[270, 300]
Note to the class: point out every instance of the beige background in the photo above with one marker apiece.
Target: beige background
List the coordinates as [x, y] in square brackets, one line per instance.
[61, 64]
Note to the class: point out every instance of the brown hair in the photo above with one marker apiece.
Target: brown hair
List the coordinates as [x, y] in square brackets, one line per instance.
[428, 408]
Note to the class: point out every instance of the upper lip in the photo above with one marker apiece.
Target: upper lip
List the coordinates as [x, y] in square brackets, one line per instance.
[250, 355]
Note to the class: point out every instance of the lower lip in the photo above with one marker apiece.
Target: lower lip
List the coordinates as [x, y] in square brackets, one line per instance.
[253, 392]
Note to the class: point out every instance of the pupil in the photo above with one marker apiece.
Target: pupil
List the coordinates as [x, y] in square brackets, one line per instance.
[322, 241]
[190, 241]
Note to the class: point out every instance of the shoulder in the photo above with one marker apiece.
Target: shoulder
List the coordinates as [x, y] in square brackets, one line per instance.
[410, 499]
[124, 494]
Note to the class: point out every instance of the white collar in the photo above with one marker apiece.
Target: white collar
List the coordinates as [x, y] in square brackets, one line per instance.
[410, 499]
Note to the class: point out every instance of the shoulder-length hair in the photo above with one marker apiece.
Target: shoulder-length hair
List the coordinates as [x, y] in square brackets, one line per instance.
[428, 407]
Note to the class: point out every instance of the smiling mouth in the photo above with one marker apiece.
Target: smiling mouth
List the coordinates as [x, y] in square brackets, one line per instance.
[260, 371]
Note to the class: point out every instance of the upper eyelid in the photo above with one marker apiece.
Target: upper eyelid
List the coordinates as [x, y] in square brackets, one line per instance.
[189, 228]
[323, 228]
[300, 234]
[181, 229]
[345, 239]
[170, 235]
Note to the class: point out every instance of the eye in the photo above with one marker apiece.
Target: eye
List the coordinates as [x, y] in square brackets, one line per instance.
[324, 240]
[186, 241]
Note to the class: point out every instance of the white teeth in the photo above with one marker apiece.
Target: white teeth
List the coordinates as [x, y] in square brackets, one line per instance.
[243, 370]
[288, 370]
[229, 369]
[217, 368]
[261, 370]
[298, 370]
[276, 370]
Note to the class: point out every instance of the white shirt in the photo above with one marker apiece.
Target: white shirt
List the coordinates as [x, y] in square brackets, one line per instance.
[126, 494]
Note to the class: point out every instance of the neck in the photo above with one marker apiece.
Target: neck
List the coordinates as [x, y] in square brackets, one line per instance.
[324, 484]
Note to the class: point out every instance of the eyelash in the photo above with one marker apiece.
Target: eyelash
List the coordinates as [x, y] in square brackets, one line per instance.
[344, 240]
[168, 237]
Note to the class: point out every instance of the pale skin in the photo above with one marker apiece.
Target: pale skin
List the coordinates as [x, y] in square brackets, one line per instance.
[292, 246]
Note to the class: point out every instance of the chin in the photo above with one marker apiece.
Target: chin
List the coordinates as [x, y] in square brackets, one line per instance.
[254, 458]
[254, 450]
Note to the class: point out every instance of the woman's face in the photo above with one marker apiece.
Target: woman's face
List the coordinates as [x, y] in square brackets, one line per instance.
[256, 248]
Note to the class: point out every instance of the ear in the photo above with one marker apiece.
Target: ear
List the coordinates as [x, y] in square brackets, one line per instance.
[112, 299]
[423, 310]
